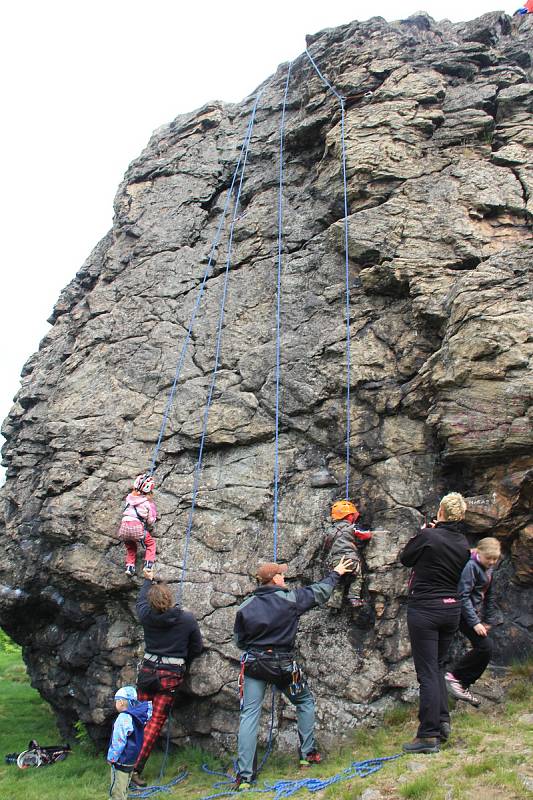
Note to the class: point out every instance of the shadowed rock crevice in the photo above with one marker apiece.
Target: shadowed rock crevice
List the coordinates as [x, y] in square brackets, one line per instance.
[439, 177]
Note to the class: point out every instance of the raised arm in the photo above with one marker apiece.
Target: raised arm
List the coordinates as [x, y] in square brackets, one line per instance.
[319, 593]
[143, 606]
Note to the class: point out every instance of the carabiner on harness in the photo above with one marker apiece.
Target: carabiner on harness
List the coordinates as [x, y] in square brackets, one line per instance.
[298, 682]
[244, 659]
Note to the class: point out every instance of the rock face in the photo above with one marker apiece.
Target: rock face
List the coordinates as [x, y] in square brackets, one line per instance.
[440, 185]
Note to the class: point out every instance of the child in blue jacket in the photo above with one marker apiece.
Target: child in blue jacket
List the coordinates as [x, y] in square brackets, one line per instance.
[126, 739]
[477, 615]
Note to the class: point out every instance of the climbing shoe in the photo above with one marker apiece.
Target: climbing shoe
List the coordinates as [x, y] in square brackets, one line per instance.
[130, 571]
[445, 731]
[428, 744]
[241, 784]
[457, 690]
[138, 780]
[312, 757]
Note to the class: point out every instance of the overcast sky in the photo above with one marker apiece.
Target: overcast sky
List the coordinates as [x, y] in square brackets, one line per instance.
[83, 87]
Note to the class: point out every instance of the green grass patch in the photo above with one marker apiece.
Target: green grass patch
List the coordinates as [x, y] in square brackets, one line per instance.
[479, 768]
[522, 669]
[422, 788]
[483, 758]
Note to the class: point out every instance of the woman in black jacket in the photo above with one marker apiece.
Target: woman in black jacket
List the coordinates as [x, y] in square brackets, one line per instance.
[172, 639]
[437, 557]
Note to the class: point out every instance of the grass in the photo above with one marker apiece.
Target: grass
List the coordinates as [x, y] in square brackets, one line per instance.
[488, 751]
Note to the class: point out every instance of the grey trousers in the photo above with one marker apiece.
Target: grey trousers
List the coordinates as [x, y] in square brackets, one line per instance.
[119, 784]
[254, 692]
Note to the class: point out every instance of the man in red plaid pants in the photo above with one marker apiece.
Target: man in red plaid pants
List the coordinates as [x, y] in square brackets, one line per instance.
[172, 639]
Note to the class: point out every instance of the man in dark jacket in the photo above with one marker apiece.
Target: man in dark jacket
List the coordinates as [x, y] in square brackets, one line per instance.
[437, 556]
[265, 628]
[172, 639]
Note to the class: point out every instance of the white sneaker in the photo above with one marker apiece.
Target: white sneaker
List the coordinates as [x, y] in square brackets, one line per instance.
[457, 690]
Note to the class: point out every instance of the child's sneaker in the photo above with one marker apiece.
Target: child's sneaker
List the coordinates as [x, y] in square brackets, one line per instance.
[355, 602]
[130, 571]
[148, 564]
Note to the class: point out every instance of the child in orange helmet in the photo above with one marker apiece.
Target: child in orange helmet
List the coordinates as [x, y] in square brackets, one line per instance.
[343, 538]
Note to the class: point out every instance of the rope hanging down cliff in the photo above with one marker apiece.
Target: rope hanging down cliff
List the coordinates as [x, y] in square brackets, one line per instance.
[207, 272]
[342, 100]
[198, 467]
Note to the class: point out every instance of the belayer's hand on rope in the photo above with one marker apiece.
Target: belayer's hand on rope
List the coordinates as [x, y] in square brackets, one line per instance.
[345, 565]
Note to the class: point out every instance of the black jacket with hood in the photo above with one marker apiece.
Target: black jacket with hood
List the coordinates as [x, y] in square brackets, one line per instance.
[173, 633]
[437, 556]
[475, 591]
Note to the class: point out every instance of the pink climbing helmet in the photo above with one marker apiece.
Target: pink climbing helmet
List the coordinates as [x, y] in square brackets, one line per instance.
[144, 483]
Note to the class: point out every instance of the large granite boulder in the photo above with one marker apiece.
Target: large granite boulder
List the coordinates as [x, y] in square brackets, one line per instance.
[439, 175]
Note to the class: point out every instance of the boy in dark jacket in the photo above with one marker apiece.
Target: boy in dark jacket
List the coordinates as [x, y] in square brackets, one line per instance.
[477, 614]
[126, 739]
[344, 539]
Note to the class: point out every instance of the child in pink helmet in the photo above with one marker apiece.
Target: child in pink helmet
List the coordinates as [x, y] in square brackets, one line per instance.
[138, 518]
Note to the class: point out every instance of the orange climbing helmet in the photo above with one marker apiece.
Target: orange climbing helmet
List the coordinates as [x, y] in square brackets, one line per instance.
[342, 508]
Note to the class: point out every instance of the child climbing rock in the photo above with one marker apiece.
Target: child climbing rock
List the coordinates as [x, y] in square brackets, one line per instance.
[138, 519]
[343, 538]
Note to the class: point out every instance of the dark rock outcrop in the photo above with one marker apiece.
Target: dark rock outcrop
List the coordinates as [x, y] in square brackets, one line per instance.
[440, 183]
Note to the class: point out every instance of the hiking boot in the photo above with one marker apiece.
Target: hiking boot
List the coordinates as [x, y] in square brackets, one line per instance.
[138, 780]
[241, 784]
[429, 744]
[130, 570]
[445, 731]
[457, 690]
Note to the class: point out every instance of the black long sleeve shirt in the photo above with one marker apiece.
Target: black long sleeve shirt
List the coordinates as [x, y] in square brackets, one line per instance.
[437, 556]
[173, 633]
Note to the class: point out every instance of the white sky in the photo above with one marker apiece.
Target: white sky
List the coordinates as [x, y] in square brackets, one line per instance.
[84, 85]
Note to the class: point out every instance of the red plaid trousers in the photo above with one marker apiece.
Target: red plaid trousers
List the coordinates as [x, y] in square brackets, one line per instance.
[161, 705]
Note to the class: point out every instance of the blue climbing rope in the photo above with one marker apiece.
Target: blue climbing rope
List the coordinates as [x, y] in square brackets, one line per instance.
[287, 788]
[342, 100]
[198, 468]
[278, 312]
[140, 793]
[207, 272]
